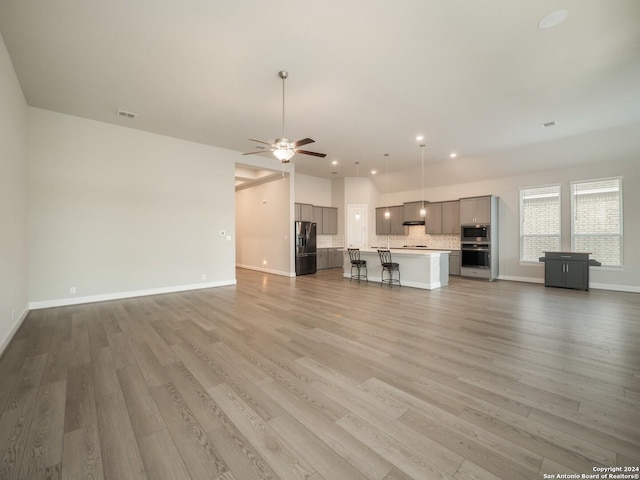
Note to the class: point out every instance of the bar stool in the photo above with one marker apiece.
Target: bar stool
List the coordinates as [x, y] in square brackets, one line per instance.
[390, 267]
[359, 265]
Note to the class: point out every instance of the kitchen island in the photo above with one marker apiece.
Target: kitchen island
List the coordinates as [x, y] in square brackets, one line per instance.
[419, 268]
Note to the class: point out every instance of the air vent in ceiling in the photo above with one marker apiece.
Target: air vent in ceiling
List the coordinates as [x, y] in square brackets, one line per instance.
[126, 114]
[549, 124]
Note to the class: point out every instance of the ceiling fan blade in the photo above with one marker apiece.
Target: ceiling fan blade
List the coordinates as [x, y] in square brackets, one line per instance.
[304, 141]
[259, 151]
[260, 141]
[307, 152]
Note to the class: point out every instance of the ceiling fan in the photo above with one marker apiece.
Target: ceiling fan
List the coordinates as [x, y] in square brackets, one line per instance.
[281, 147]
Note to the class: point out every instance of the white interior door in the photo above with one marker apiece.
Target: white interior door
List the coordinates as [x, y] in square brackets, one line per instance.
[357, 226]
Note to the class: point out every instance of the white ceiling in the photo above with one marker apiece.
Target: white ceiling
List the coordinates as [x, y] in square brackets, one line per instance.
[365, 76]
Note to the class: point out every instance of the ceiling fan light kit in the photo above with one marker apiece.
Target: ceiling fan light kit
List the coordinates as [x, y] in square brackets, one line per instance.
[281, 147]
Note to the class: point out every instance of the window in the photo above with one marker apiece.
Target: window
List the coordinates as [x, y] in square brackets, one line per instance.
[539, 221]
[596, 219]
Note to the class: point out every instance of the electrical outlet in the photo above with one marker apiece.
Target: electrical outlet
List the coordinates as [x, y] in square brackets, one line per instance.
[72, 290]
[204, 276]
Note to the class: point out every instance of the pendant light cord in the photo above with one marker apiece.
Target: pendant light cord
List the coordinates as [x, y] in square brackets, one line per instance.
[422, 177]
[283, 79]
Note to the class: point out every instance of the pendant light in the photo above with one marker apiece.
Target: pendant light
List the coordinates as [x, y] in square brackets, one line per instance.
[423, 211]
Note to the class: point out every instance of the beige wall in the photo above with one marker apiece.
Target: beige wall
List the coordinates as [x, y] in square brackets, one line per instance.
[115, 211]
[313, 190]
[13, 200]
[264, 227]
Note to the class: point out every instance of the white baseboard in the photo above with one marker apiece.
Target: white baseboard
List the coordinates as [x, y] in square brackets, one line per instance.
[592, 286]
[266, 270]
[615, 288]
[521, 279]
[120, 295]
[13, 330]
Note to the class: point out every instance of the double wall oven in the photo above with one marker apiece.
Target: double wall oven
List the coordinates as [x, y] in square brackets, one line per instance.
[475, 249]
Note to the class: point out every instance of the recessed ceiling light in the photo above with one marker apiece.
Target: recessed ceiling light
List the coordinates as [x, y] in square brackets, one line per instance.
[453, 154]
[552, 19]
[335, 162]
[420, 138]
[373, 172]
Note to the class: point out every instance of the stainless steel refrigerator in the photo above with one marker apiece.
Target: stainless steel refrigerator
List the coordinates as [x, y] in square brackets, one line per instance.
[305, 248]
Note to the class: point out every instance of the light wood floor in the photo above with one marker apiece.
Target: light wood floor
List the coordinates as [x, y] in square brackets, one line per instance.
[319, 378]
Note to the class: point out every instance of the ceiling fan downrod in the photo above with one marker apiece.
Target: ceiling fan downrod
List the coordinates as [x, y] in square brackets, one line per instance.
[283, 75]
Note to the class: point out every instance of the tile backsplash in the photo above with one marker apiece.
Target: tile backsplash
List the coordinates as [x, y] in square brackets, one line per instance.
[416, 236]
[325, 241]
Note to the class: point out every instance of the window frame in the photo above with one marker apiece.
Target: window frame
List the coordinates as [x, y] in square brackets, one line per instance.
[521, 220]
[572, 196]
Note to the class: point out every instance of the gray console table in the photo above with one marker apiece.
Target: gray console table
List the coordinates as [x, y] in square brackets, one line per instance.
[567, 269]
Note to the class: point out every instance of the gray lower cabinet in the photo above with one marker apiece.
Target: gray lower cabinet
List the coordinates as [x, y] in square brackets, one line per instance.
[454, 262]
[328, 258]
[322, 259]
[335, 258]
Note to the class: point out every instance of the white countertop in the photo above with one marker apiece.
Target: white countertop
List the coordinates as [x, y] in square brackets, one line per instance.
[407, 251]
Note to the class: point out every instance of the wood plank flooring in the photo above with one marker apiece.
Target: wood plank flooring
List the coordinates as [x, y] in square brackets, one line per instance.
[321, 378]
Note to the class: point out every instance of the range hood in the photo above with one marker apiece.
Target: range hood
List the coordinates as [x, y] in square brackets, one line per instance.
[412, 213]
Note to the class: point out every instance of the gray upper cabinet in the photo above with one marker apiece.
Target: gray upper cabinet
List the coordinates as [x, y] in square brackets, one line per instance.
[433, 219]
[329, 221]
[304, 212]
[451, 217]
[317, 219]
[397, 220]
[383, 225]
[392, 225]
[475, 210]
[325, 218]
